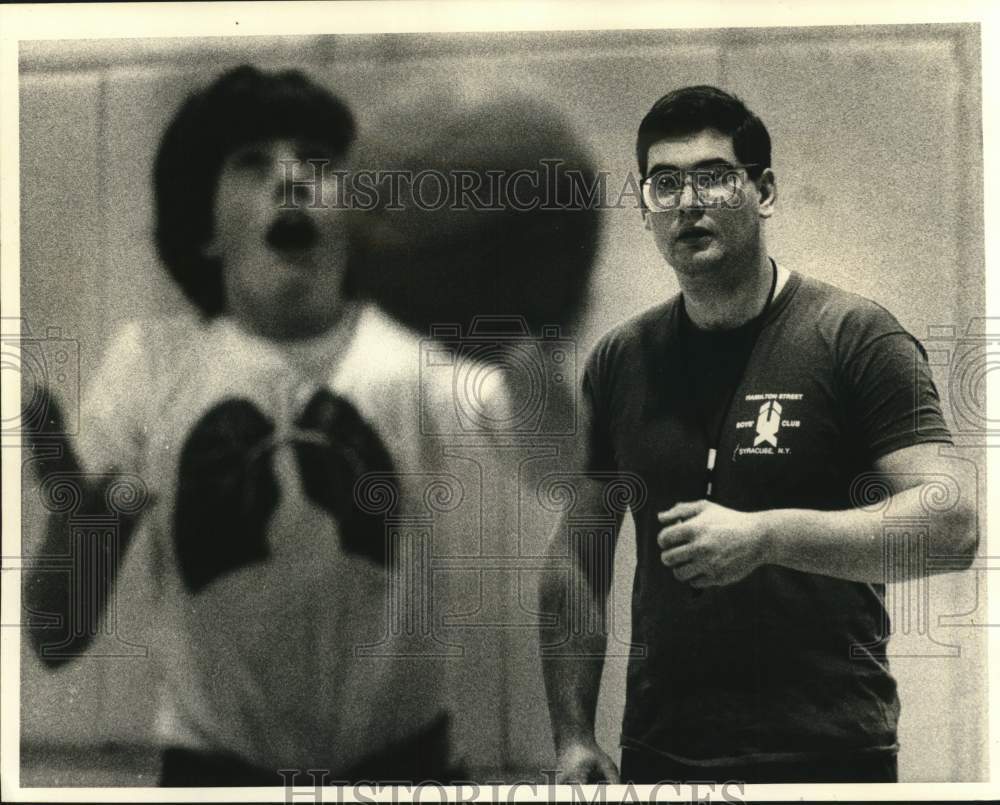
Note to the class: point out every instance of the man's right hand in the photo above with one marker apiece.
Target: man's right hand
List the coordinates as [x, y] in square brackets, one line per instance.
[585, 764]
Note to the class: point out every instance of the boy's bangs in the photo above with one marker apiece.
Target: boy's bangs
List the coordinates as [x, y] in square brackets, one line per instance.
[288, 113]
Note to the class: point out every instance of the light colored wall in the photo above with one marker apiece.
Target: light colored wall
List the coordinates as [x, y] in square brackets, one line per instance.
[877, 153]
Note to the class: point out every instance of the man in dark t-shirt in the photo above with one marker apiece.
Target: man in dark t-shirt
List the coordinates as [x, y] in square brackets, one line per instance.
[761, 413]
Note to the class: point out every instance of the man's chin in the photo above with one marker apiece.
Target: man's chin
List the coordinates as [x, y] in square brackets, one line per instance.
[696, 261]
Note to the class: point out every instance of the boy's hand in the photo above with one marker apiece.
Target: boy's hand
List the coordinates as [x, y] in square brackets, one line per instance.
[49, 446]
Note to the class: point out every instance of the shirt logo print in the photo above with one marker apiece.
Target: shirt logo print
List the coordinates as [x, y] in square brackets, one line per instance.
[768, 422]
[228, 490]
[774, 418]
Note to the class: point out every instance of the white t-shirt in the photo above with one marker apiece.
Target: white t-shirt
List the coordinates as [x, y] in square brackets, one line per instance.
[309, 655]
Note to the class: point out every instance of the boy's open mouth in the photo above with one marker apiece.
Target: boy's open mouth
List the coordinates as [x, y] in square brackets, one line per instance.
[292, 230]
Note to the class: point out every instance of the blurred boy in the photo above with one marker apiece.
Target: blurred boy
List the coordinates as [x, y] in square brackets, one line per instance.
[251, 426]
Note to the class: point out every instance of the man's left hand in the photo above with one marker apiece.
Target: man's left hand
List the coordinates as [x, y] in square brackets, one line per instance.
[706, 544]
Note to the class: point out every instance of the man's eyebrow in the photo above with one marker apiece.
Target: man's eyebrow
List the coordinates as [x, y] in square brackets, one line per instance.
[705, 163]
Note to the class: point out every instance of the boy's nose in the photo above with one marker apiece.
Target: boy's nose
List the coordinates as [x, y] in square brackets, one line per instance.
[297, 191]
[293, 179]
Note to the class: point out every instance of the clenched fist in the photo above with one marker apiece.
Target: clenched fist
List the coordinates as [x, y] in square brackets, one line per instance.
[585, 764]
[706, 544]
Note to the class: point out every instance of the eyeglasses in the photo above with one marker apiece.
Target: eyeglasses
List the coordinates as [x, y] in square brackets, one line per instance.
[717, 185]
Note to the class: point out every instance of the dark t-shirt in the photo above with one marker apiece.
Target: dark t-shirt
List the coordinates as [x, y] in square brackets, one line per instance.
[782, 664]
[713, 363]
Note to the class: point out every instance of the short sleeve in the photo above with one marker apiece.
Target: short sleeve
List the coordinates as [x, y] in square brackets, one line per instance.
[892, 400]
[114, 412]
[594, 392]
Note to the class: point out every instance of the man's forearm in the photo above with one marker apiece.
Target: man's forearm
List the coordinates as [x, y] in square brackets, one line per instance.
[572, 659]
[851, 544]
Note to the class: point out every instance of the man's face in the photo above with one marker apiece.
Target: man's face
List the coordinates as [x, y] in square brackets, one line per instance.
[710, 221]
[283, 248]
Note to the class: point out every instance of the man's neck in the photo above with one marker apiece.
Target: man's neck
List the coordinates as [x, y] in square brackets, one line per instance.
[724, 300]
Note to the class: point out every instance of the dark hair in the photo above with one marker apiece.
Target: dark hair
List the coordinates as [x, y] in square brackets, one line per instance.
[692, 109]
[241, 106]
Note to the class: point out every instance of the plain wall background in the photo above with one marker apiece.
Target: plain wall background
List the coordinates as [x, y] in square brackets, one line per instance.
[878, 153]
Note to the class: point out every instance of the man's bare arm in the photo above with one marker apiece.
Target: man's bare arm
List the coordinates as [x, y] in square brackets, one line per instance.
[574, 595]
[706, 544]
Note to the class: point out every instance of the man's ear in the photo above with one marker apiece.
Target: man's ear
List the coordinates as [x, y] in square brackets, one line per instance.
[767, 188]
